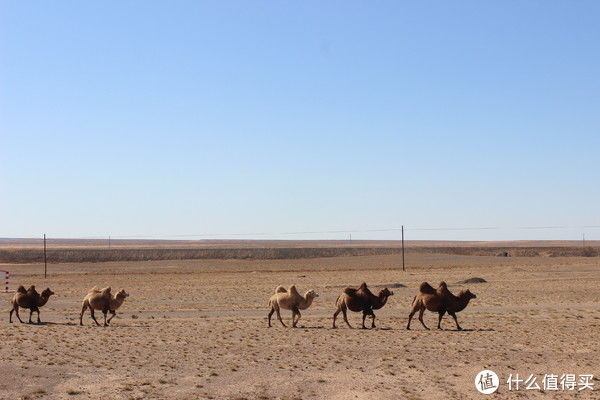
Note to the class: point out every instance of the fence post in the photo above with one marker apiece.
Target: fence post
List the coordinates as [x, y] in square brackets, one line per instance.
[403, 267]
[45, 259]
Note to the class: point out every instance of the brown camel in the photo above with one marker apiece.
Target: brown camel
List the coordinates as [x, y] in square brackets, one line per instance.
[30, 299]
[102, 299]
[290, 300]
[441, 301]
[361, 299]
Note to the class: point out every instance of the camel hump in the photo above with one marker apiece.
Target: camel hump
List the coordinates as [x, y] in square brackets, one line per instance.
[21, 289]
[443, 285]
[363, 286]
[32, 291]
[280, 289]
[293, 290]
[426, 288]
[350, 291]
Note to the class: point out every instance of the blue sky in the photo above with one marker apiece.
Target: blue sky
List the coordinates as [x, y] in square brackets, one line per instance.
[174, 118]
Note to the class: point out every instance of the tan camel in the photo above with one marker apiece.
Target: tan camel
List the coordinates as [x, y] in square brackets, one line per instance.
[361, 299]
[290, 300]
[30, 299]
[103, 300]
[441, 301]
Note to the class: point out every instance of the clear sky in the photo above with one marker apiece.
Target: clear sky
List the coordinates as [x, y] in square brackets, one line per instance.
[192, 117]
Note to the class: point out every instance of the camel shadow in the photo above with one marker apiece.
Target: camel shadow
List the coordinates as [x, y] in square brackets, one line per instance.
[477, 330]
[309, 327]
[358, 328]
[55, 323]
[131, 326]
[464, 330]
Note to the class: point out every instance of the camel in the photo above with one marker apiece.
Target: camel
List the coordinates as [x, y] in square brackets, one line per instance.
[361, 299]
[290, 300]
[441, 301]
[102, 299]
[30, 299]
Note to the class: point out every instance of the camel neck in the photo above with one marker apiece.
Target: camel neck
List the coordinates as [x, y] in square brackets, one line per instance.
[42, 300]
[462, 303]
[381, 300]
[306, 302]
[117, 302]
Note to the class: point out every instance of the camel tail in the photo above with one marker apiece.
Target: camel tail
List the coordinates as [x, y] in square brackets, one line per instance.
[426, 288]
[21, 289]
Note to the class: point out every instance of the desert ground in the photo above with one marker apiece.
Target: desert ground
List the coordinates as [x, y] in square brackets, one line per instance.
[197, 329]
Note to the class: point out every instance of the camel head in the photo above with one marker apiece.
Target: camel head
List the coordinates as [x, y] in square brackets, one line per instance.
[466, 294]
[311, 294]
[121, 294]
[47, 293]
[386, 293]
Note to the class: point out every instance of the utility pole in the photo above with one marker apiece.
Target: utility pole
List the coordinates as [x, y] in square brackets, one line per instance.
[109, 242]
[584, 239]
[45, 259]
[403, 267]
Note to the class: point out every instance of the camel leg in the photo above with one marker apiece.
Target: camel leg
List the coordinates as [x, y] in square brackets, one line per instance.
[298, 316]
[421, 311]
[105, 312]
[455, 320]
[94, 316]
[295, 312]
[279, 317]
[410, 317]
[270, 314]
[38, 315]
[10, 315]
[30, 313]
[373, 319]
[345, 314]
[81, 315]
[363, 319]
[16, 310]
[335, 314]
[440, 316]
[113, 313]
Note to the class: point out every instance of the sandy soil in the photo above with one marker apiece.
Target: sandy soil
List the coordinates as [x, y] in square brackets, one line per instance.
[197, 330]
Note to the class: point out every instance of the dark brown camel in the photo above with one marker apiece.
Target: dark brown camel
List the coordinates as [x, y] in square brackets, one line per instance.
[441, 301]
[361, 299]
[30, 299]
